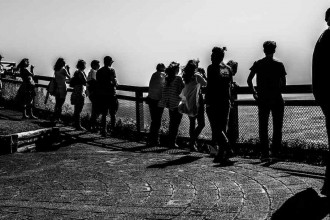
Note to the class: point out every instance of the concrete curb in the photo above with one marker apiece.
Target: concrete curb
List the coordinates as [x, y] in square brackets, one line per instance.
[41, 138]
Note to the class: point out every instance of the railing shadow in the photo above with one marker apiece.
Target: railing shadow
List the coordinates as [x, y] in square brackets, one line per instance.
[179, 161]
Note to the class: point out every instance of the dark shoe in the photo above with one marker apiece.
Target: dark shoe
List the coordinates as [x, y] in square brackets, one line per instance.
[264, 155]
[103, 133]
[153, 143]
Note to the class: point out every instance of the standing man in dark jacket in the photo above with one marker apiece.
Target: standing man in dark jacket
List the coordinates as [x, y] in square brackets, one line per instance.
[106, 99]
[321, 88]
[270, 82]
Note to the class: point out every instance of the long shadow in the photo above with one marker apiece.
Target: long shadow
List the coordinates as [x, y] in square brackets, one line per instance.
[70, 137]
[305, 205]
[179, 161]
[301, 173]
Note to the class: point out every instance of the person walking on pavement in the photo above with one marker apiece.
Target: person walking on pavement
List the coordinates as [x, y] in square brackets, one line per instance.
[156, 85]
[62, 72]
[271, 79]
[78, 82]
[106, 100]
[321, 88]
[217, 99]
[171, 98]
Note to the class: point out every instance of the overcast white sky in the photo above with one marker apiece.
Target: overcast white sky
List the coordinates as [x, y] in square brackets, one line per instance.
[138, 34]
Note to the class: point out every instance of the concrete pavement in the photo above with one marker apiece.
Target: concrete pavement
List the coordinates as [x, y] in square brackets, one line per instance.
[90, 177]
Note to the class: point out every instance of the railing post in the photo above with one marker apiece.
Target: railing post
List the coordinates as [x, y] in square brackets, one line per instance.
[233, 126]
[139, 111]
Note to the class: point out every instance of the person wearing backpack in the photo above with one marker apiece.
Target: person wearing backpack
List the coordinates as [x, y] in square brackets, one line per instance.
[61, 73]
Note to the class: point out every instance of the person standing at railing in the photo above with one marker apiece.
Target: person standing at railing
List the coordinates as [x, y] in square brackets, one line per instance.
[271, 79]
[233, 115]
[61, 73]
[156, 85]
[91, 88]
[321, 88]
[217, 99]
[106, 99]
[78, 82]
[171, 98]
[26, 92]
[192, 102]
[2, 71]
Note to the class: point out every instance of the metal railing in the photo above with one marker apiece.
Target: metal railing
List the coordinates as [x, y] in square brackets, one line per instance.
[303, 119]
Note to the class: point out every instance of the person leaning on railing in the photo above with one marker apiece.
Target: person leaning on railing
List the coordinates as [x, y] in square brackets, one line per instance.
[26, 92]
[156, 85]
[321, 88]
[61, 73]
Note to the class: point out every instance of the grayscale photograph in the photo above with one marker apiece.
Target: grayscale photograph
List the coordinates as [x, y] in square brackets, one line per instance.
[154, 109]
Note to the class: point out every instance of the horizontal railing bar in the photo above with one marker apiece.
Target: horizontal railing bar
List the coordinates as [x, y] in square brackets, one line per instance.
[287, 103]
[289, 89]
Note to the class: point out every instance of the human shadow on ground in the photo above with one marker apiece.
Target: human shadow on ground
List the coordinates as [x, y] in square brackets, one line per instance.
[179, 161]
[71, 137]
[305, 205]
